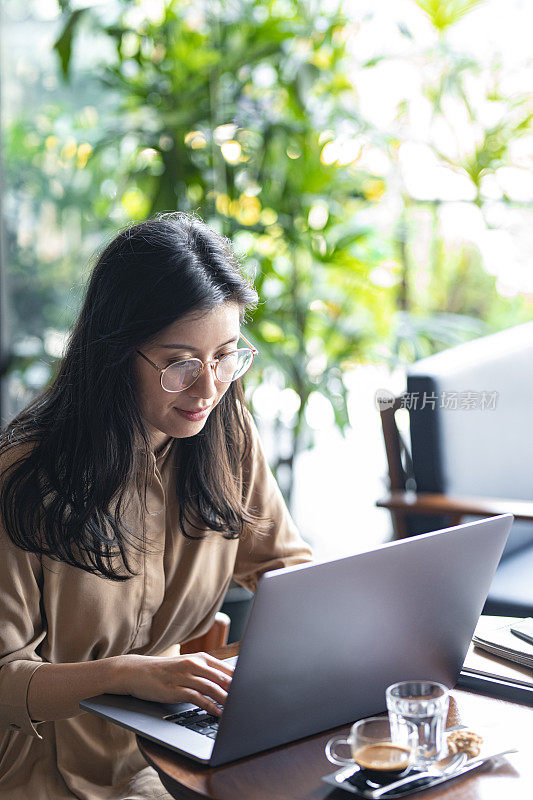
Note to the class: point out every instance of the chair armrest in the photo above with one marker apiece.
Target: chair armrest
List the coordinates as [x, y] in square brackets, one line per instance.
[458, 506]
[216, 636]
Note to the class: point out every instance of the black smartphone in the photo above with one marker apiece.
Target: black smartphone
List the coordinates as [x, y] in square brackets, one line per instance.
[523, 629]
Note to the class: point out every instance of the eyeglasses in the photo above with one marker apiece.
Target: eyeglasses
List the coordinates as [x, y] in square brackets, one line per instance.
[180, 375]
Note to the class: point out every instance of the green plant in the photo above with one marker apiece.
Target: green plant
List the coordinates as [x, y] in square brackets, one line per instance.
[248, 112]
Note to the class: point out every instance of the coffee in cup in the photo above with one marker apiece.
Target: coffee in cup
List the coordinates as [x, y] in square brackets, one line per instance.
[375, 749]
[385, 758]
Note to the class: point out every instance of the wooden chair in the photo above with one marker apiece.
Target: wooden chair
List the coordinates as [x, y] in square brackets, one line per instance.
[216, 636]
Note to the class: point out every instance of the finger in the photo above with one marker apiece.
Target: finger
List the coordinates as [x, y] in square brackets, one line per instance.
[190, 696]
[223, 666]
[206, 687]
[202, 670]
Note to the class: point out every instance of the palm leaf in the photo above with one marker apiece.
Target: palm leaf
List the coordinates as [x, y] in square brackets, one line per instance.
[445, 13]
[63, 45]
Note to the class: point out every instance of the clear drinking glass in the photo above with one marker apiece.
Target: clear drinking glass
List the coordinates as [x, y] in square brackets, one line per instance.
[425, 704]
[376, 748]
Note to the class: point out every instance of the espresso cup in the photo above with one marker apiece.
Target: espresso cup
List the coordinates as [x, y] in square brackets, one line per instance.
[375, 748]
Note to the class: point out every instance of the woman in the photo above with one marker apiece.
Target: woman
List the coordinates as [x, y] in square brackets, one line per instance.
[132, 491]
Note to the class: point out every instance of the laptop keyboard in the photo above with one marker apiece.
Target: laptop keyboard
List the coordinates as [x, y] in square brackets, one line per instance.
[197, 719]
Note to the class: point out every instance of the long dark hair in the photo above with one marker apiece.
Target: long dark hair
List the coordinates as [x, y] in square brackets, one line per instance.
[65, 494]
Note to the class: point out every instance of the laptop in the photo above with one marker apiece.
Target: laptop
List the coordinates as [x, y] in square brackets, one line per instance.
[324, 640]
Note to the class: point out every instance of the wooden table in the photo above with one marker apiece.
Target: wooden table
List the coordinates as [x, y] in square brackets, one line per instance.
[294, 771]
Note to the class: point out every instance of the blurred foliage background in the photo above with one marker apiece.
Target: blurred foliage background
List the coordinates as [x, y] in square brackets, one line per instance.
[368, 166]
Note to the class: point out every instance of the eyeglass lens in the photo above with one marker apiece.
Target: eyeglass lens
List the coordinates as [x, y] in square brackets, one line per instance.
[182, 374]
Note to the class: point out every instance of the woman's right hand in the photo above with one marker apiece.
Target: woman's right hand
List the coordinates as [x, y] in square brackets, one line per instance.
[197, 678]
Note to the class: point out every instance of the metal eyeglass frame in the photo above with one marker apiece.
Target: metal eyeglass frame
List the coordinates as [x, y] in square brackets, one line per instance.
[204, 364]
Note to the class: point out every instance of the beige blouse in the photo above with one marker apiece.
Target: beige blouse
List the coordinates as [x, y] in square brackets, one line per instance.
[52, 612]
